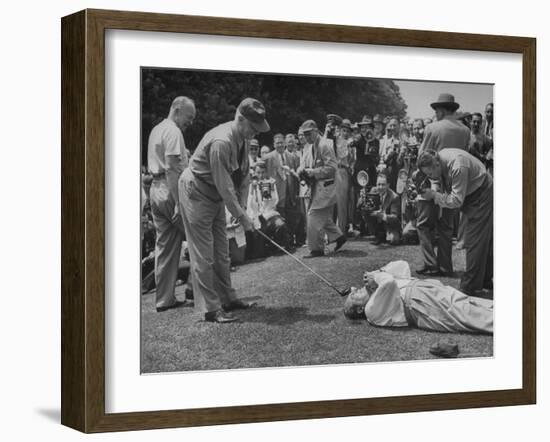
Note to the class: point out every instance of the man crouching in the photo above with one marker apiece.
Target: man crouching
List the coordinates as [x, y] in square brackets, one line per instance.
[392, 298]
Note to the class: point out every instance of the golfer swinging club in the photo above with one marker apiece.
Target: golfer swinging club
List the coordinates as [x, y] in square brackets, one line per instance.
[217, 177]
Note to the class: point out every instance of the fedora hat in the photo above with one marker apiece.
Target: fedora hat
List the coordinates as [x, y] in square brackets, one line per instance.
[346, 123]
[365, 121]
[446, 101]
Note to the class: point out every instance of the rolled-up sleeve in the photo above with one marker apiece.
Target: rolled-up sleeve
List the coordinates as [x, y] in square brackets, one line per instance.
[459, 187]
[220, 167]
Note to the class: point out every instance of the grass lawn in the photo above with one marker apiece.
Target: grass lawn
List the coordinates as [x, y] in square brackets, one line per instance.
[298, 320]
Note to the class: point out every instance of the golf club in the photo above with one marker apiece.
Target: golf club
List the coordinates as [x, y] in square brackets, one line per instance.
[299, 261]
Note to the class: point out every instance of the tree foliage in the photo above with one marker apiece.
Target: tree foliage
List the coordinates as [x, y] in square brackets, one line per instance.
[289, 99]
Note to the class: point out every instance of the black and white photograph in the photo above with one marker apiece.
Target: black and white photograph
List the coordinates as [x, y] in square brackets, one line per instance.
[303, 220]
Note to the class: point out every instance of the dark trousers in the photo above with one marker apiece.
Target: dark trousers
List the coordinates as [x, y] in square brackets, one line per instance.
[478, 241]
[382, 228]
[435, 230]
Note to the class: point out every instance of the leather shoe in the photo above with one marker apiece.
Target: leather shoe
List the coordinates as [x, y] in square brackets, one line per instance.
[177, 304]
[220, 317]
[340, 241]
[237, 305]
[428, 271]
[314, 254]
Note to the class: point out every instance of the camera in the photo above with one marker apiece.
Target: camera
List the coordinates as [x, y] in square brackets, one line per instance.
[412, 152]
[417, 184]
[266, 189]
[305, 179]
[370, 201]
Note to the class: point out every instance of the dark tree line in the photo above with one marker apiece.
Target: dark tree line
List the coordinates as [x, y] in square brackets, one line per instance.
[289, 100]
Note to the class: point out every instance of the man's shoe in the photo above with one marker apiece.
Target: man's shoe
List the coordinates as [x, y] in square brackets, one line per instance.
[377, 242]
[314, 254]
[340, 241]
[428, 271]
[237, 305]
[220, 317]
[177, 304]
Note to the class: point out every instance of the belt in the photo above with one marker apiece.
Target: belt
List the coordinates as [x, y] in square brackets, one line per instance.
[157, 176]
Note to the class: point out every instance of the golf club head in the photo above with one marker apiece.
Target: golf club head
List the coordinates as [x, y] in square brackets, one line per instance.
[345, 292]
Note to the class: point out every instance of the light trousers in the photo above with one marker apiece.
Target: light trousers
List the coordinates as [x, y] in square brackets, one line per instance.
[319, 223]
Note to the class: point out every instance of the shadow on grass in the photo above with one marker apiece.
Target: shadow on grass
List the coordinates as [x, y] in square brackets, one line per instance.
[350, 253]
[284, 316]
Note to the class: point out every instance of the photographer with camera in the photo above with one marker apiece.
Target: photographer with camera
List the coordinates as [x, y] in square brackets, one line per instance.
[261, 207]
[390, 148]
[467, 185]
[381, 210]
[318, 167]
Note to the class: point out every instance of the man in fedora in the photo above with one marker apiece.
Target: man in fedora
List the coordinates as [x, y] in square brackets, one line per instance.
[217, 177]
[319, 164]
[434, 222]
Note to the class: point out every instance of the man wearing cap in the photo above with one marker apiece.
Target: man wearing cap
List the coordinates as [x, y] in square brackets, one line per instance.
[254, 154]
[344, 161]
[217, 177]
[379, 126]
[332, 129]
[466, 185]
[433, 222]
[319, 164]
[166, 159]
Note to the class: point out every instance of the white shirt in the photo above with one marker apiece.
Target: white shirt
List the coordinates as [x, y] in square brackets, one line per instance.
[165, 139]
[257, 206]
[385, 307]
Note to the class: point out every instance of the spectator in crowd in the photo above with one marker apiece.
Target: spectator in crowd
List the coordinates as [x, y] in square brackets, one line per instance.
[217, 176]
[295, 215]
[385, 222]
[264, 151]
[344, 161]
[418, 131]
[278, 167]
[253, 156]
[465, 185]
[262, 209]
[390, 147]
[488, 126]
[379, 126]
[390, 297]
[332, 129]
[481, 146]
[167, 158]
[436, 224]
[319, 166]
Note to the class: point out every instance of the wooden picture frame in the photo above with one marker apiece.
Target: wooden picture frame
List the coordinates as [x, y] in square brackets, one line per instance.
[83, 220]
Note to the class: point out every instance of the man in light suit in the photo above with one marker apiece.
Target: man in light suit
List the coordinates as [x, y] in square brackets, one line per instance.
[278, 167]
[321, 171]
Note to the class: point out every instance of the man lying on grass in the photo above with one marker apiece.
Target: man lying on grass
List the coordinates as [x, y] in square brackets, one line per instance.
[392, 298]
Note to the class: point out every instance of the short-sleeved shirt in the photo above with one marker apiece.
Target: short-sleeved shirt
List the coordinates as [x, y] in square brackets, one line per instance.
[462, 174]
[165, 139]
[221, 160]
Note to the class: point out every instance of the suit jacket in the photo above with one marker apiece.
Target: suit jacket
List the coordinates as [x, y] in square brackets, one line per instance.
[446, 133]
[323, 191]
[274, 169]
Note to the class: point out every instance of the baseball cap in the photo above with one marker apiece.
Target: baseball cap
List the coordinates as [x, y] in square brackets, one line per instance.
[254, 112]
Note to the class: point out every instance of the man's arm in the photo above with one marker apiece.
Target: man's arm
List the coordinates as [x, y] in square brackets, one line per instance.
[220, 169]
[395, 210]
[173, 171]
[330, 165]
[459, 182]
